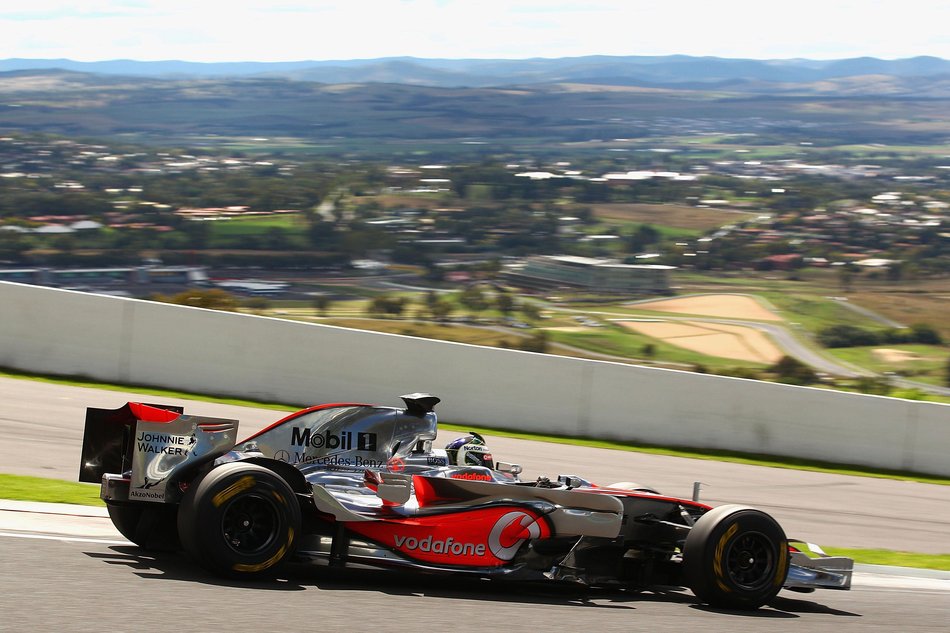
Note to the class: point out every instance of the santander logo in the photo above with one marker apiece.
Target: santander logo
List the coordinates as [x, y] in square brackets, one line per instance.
[510, 531]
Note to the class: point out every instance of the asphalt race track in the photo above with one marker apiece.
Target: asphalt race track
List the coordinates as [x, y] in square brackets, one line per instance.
[41, 430]
[52, 583]
[55, 578]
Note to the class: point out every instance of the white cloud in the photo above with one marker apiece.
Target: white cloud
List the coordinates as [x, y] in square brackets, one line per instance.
[343, 29]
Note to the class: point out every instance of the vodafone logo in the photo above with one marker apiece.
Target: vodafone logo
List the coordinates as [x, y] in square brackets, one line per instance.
[479, 537]
[510, 531]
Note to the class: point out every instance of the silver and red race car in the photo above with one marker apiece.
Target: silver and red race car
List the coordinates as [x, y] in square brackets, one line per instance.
[361, 485]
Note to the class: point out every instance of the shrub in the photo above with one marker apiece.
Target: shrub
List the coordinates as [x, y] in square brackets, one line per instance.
[925, 334]
[793, 371]
[847, 336]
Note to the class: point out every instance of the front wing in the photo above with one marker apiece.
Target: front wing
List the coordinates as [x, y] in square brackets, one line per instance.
[826, 572]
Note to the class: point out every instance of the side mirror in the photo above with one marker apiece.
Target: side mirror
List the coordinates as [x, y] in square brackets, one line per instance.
[571, 481]
[423, 446]
[397, 493]
[391, 488]
[505, 467]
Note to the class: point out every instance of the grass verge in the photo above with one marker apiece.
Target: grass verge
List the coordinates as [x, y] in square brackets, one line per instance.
[893, 558]
[24, 488]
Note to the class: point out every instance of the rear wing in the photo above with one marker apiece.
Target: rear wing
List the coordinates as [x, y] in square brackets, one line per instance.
[155, 444]
[107, 438]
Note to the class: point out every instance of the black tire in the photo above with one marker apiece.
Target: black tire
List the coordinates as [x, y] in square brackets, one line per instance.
[125, 518]
[735, 557]
[151, 528]
[239, 520]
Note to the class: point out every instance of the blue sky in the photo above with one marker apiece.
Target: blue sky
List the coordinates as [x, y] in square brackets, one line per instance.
[246, 30]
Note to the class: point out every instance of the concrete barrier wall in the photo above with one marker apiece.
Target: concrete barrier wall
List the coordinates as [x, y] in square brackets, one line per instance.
[137, 342]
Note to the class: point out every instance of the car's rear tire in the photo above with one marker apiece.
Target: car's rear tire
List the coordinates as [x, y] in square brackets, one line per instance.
[125, 518]
[240, 520]
[735, 557]
[151, 528]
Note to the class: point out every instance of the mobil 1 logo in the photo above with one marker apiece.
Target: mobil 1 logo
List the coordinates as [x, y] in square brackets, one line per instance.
[344, 440]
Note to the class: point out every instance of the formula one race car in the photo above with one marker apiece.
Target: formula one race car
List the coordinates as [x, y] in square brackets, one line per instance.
[361, 485]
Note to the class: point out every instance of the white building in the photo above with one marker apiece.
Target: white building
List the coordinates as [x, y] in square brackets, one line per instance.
[599, 275]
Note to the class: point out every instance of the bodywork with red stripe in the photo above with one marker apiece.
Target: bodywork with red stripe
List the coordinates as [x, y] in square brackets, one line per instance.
[373, 492]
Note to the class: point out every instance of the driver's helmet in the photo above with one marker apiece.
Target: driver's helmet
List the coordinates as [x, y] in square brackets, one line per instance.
[469, 451]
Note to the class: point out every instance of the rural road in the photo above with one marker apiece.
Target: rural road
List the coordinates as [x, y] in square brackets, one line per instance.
[786, 341]
[790, 344]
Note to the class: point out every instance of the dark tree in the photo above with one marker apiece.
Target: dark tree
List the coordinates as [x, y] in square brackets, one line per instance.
[792, 370]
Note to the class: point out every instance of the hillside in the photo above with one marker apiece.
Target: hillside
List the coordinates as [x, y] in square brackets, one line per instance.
[744, 74]
[346, 116]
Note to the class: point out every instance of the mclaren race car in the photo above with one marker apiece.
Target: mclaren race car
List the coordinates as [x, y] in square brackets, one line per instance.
[361, 485]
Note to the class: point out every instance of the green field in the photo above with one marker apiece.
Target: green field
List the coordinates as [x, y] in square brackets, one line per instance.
[813, 312]
[922, 363]
[22, 488]
[667, 216]
[268, 232]
[893, 558]
[255, 225]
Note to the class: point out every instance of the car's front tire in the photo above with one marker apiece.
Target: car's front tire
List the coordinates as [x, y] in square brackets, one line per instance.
[735, 557]
[240, 520]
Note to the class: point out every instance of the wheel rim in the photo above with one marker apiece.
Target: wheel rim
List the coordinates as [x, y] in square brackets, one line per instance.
[750, 561]
[249, 524]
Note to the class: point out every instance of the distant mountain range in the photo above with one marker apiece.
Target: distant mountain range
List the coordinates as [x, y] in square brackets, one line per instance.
[664, 71]
[360, 105]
